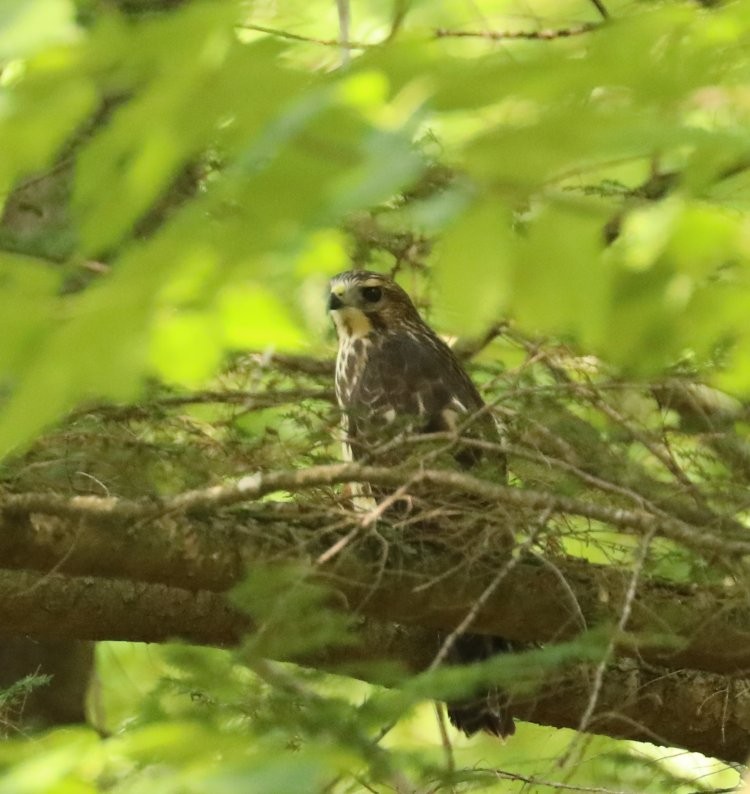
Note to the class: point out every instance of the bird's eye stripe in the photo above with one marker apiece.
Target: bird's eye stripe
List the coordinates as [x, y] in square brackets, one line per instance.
[371, 294]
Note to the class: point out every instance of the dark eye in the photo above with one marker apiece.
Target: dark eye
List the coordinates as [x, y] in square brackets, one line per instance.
[372, 294]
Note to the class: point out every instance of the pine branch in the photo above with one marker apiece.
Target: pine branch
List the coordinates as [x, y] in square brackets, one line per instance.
[539, 600]
[254, 486]
[699, 711]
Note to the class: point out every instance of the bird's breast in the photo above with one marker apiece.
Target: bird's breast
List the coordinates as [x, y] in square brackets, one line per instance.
[351, 361]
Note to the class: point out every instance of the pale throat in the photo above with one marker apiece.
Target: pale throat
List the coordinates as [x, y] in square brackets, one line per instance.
[351, 323]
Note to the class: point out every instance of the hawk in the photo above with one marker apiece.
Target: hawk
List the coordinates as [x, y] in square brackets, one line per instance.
[392, 369]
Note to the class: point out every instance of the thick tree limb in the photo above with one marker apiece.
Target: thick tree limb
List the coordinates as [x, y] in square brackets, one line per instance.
[698, 711]
[539, 601]
[56, 607]
[683, 708]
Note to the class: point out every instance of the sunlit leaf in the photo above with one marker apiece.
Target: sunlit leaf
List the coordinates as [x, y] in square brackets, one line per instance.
[324, 252]
[560, 283]
[26, 25]
[472, 269]
[186, 346]
[253, 317]
[27, 290]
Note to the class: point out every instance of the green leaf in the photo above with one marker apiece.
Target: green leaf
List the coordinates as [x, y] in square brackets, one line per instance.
[269, 774]
[27, 305]
[704, 239]
[280, 600]
[196, 63]
[48, 762]
[98, 349]
[28, 25]
[252, 317]
[561, 284]
[471, 269]
[39, 111]
[185, 346]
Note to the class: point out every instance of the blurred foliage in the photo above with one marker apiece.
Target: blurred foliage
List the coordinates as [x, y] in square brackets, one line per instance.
[184, 178]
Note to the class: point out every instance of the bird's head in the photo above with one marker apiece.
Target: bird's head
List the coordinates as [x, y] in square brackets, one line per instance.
[362, 302]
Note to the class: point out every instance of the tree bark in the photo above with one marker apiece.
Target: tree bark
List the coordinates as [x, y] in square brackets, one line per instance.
[699, 711]
[702, 628]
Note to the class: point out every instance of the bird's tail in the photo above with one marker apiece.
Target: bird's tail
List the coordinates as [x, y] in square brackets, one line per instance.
[484, 710]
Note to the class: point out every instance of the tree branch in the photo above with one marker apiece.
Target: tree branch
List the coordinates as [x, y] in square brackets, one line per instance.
[248, 400]
[259, 484]
[54, 606]
[545, 34]
[678, 626]
[285, 34]
[698, 711]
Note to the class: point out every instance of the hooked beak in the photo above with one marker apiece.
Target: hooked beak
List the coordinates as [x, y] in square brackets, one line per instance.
[334, 302]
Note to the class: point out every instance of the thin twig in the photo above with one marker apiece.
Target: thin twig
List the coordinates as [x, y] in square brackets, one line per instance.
[600, 7]
[344, 12]
[486, 594]
[546, 34]
[248, 399]
[601, 668]
[445, 739]
[535, 781]
[285, 34]
[566, 586]
[254, 486]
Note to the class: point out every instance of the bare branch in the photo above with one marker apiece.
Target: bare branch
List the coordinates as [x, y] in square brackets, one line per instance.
[285, 34]
[485, 596]
[255, 486]
[601, 668]
[545, 34]
[601, 8]
[249, 400]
